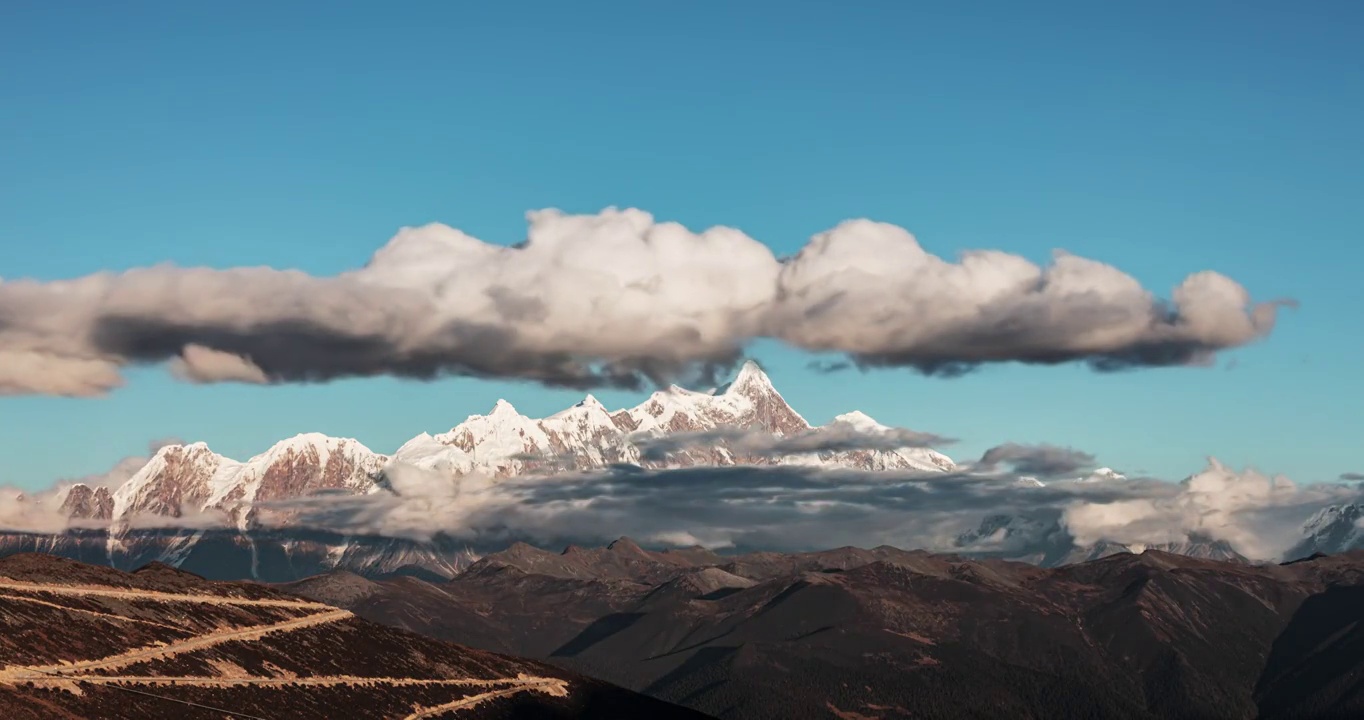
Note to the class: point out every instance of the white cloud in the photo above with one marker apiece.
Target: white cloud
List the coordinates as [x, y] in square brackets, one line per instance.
[29, 372]
[794, 508]
[612, 298]
[681, 538]
[868, 289]
[200, 364]
[1259, 515]
[837, 436]
[30, 512]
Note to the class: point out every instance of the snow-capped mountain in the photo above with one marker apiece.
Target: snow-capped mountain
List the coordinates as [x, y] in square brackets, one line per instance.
[901, 459]
[1102, 474]
[587, 435]
[182, 479]
[193, 508]
[1332, 529]
[191, 505]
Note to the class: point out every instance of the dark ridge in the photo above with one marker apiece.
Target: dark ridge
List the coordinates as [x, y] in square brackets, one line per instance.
[413, 571]
[596, 632]
[886, 633]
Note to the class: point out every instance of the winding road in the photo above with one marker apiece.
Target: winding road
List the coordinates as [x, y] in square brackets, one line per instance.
[67, 675]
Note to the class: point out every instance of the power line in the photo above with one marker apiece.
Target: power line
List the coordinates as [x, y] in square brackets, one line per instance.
[230, 713]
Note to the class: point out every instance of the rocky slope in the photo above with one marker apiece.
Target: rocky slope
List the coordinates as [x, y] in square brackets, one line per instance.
[90, 642]
[885, 633]
[1316, 666]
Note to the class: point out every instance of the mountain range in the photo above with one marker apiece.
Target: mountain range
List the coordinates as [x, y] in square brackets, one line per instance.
[886, 633]
[190, 507]
[847, 633]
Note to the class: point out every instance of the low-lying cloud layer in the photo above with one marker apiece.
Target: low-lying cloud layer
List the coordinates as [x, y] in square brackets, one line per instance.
[42, 511]
[795, 508]
[611, 299]
[1045, 461]
[980, 508]
[835, 437]
[1259, 515]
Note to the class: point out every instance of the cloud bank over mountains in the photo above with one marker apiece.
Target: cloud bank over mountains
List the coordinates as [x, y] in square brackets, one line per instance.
[797, 508]
[611, 299]
[841, 435]
[783, 507]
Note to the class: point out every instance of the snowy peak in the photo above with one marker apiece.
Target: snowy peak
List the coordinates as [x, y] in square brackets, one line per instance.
[1103, 474]
[1332, 515]
[314, 445]
[177, 476]
[498, 437]
[591, 403]
[670, 410]
[750, 381]
[305, 464]
[589, 410]
[906, 458]
[859, 420]
[1332, 529]
[504, 442]
[503, 409]
[767, 410]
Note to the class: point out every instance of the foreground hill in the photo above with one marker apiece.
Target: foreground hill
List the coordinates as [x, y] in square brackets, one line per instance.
[886, 633]
[81, 641]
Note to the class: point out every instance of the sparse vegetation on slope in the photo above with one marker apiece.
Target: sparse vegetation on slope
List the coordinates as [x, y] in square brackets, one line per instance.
[161, 643]
[886, 633]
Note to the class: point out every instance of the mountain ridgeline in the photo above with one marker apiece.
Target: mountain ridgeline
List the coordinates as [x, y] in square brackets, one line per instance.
[886, 634]
[195, 509]
[192, 508]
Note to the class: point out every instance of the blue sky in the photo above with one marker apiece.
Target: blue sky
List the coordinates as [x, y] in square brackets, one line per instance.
[1163, 138]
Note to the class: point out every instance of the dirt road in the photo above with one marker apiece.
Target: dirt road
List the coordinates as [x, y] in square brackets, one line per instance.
[133, 594]
[69, 675]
